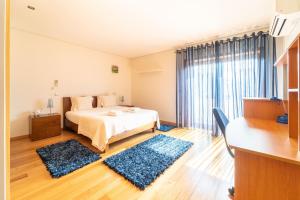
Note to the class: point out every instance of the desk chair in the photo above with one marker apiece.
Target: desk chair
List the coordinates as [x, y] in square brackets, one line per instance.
[222, 121]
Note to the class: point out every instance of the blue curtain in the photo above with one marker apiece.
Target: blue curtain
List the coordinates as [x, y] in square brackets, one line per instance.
[220, 74]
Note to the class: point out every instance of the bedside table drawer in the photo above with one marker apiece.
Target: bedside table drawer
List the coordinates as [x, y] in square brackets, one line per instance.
[53, 131]
[41, 132]
[53, 120]
[45, 126]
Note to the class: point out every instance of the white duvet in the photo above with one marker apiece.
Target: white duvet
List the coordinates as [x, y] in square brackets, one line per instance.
[99, 126]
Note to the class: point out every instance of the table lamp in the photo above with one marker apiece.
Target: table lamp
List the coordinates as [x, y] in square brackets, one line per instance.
[50, 104]
[122, 99]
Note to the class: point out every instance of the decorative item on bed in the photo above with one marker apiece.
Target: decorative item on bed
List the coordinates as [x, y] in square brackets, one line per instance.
[107, 123]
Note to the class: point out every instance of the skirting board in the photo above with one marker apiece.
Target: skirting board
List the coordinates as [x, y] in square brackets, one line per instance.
[19, 137]
[26, 136]
[167, 122]
[22, 137]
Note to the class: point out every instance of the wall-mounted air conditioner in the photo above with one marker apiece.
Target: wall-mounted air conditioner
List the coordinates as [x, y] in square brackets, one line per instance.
[286, 18]
[283, 24]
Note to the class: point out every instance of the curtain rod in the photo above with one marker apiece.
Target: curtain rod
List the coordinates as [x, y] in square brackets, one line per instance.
[223, 37]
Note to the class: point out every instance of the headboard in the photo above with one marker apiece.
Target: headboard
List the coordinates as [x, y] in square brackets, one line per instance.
[67, 104]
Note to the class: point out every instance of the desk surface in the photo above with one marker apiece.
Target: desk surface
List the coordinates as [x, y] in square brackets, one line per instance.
[264, 137]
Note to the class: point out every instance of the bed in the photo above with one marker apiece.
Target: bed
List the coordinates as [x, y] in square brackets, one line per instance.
[103, 129]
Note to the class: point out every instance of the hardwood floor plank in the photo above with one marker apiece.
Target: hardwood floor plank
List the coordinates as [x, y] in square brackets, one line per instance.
[204, 172]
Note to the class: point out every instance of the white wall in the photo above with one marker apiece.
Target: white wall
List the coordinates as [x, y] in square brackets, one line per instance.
[2, 105]
[155, 90]
[281, 71]
[37, 61]
[290, 38]
[282, 45]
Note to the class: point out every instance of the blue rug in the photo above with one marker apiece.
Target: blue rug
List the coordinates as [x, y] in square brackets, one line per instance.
[165, 127]
[64, 157]
[143, 163]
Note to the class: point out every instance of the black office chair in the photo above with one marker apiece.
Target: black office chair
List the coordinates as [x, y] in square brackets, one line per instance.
[222, 122]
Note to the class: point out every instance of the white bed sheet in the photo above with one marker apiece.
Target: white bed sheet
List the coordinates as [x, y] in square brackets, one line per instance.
[100, 127]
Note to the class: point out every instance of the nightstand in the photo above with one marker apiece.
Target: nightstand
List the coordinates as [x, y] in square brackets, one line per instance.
[44, 126]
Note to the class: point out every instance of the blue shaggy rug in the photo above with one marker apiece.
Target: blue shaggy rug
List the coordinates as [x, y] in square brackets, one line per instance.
[143, 163]
[165, 127]
[65, 157]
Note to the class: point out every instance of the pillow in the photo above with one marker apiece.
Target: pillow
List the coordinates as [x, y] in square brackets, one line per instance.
[81, 103]
[110, 100]
[74, 103]
[99, 102]
[85, 103]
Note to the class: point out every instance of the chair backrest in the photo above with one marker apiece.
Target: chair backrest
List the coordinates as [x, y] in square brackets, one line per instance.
[222, 121]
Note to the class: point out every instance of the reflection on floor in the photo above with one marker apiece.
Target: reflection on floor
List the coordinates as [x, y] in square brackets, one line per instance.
[204, 172]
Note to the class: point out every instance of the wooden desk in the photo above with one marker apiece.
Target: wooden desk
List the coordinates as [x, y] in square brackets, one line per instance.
[263, 108]
[267, 161]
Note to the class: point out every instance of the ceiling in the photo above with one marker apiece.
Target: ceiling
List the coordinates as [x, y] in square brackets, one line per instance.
[133, 28]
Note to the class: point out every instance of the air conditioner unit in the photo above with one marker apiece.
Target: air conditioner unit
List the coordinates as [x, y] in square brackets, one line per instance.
[286, 18]
[283, 24]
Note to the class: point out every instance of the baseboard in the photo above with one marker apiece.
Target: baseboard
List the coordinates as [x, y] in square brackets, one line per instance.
[23, 136]
[27, 136]
[19, 137]
[167, 122]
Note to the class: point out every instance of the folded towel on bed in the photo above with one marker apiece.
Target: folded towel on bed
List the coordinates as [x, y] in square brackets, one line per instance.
[132, 109]
[114, 113]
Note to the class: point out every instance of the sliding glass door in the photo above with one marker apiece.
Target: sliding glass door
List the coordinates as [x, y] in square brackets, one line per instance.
[220, 75]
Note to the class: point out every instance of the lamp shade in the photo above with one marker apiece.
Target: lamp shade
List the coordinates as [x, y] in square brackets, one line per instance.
[122, 99]
[50, 103]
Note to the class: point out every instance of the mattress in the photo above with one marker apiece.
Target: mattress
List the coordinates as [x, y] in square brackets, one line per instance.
[100, 127]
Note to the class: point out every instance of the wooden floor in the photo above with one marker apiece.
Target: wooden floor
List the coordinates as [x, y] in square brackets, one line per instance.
[203, 172]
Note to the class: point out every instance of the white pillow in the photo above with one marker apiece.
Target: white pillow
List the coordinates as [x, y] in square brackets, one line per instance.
[110, 100]
[74, 103]
[99, 102]
[81, 103]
